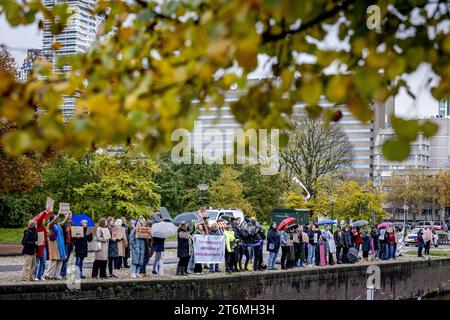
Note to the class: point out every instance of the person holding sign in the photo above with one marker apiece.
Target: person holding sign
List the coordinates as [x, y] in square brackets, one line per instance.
[56, 247]
[81, 248]
[29, 242]
[102, 235]
[42, 252]
[67, 231]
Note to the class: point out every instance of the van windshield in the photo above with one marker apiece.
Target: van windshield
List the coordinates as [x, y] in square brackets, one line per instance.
[212, 215]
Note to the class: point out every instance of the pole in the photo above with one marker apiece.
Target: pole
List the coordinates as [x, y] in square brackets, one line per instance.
[332, 215]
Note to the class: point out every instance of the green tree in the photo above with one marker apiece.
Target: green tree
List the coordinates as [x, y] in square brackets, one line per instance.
[160, 61]
[228, 192]
[352, 200]
[412, 190]
[125, 187]
[263, 192]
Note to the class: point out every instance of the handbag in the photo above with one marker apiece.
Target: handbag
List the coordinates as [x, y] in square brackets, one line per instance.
[95, 245]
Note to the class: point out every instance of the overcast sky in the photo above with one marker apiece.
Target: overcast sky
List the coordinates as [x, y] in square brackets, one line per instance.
[424, 106]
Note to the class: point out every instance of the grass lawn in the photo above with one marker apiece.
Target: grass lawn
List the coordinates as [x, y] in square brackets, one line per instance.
[11, 235]
[439, 253]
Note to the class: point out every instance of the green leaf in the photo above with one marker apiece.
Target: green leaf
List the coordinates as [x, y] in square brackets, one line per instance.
[406, 129]
[396, 150]
[429, 128]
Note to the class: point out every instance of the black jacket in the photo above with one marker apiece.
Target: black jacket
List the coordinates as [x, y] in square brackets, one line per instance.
[273, 238]
[348, 239]
[29, 241]
[339, 238]
[366, 241]
[81, 244]
[183, 245]
[311, 236]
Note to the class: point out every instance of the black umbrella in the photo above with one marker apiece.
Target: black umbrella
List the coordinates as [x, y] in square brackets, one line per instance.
[187, 217]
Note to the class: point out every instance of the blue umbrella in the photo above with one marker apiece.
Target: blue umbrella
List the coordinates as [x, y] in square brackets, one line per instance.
[326, 221]
[77, 218]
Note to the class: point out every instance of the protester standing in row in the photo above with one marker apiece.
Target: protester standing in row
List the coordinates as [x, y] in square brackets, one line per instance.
[57, 247]
[29, 242]
[184, 244]
[273, 245]
[137, 249]
[101, 256]
[339, 242]
[67, 233]
[366, 239]
[230, 244]
[81, 249]
[214, 231]
[42, 251]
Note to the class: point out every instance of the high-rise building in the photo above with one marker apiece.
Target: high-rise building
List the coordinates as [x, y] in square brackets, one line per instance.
[444, 108]
[77, 37]
[27, 67]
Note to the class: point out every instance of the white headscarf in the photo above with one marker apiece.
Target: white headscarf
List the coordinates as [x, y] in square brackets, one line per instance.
[118, 223]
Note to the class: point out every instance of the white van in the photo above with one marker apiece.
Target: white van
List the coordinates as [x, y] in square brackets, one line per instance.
[215, 215]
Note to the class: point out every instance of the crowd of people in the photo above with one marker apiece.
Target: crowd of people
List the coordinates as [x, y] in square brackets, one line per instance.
[299, 245]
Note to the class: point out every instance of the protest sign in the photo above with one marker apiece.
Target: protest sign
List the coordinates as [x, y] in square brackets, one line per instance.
[49, 204]
[209, 249]
[77, 232]
[41, 235]
[118, 233]
[143, 232]
[64, 208]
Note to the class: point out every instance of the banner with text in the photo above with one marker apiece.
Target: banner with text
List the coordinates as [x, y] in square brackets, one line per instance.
[209, 249]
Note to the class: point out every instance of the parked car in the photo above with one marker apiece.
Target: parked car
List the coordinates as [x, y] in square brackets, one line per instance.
[215, 215]
[423, 224]
[411, 239]
[437, 225]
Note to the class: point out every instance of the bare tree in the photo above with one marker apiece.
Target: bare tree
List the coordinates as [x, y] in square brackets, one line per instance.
[314, 149]
[7, 62]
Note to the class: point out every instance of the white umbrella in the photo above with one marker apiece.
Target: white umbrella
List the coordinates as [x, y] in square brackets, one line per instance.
[163, 229]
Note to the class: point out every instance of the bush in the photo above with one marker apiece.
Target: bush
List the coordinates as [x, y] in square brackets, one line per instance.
[13, 211]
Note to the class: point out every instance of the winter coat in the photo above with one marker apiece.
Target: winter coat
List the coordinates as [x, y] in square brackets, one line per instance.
[81, 244]
[122, 246]
[273, 240]
[103, 235]
[374, 234]
[158, 244]
[339, 238]
[57, 248]
[348, 243]
[327, 236]
[29, 242]
[366, 238]
[41, 228]
[113, 249]
[284, 238]
[311, 236]
[184, 244]
[390, 237]
[137, 249]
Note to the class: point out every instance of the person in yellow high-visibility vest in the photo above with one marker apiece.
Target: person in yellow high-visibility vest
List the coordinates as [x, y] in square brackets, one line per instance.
[230, 244]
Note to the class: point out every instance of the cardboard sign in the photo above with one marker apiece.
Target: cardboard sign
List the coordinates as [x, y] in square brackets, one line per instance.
[64, 208]
[49, 204]
[91, 230]
[40, 241]
[209, 249]
[118, 233]
[143, 232]
[77, 232]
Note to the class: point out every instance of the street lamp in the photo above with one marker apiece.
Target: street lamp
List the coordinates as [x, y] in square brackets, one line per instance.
[405, 210]
[202, 187]
[332, 200]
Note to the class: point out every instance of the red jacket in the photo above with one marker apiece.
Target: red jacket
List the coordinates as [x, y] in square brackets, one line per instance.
[41, 228]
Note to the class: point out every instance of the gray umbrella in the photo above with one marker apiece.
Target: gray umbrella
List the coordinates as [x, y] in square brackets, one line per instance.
[187, 217]
[360, 223]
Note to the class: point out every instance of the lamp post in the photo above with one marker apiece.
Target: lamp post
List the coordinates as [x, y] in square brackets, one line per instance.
[405, 212]
[202, 187]
[332, 200]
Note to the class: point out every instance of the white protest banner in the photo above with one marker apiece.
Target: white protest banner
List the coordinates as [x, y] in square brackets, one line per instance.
[209, 249]
[64, 208]
[49, 204]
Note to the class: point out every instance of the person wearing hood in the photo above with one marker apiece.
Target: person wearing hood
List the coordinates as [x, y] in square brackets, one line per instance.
[230, 245]
[184, 249]
[366, 240]
[42, 251]
[29, 242]
[214, 231]
[137, 248]
[147, 251]
[273, 245]
[56, 247]
[81, 248]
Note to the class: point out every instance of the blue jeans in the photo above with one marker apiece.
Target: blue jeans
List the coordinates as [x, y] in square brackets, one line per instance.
[79, 264]
[385, 251]
[311, 253]
[69, 248]
[191, 262]
[146, 260]
[272, 260]
[135, 268]
[214, 266]
[392, 251]
[39, 267]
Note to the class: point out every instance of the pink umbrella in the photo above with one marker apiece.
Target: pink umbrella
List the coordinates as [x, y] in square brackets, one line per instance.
[385, 225]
